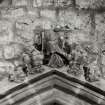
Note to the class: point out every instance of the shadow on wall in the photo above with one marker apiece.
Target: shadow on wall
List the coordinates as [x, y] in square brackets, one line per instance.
[1, 1]
[5, 2]
[53, 103]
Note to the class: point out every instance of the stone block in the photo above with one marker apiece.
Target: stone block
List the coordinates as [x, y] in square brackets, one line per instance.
[48, 14]
[44, 23]
[54, 3]
[24, 22]
[6, 67]
[37, 3]
[100, 23]
[18, 12]
[29, 23]
[26, 35]
[13, 12]
[6, 33]
[1, 52]
[103, 59]
[8, 52]
[78, 37]
[5, 3]
[24, 28]
[33, 12]
[48, 3]
[20, 2]
[12, 51]
[83, 3]
[76, 21]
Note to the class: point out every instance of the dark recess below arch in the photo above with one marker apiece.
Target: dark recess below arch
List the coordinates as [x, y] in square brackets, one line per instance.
[53, 103]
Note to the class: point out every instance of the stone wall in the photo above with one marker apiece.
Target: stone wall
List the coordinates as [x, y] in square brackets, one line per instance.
[19, 19]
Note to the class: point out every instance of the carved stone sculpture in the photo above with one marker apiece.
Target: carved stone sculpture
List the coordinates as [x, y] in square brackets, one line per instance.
[37, 59]
[18, 75]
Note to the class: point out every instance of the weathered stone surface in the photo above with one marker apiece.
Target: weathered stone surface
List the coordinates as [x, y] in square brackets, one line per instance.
[1, 52]
[26, 16]
[76, 21]
[78, 37]
[6, 32]
[18, 12]
[24, 22]
[12, 12]
[8, 52]
[6, 66]
[45, 23]
[54, 3]
[43, 3]
[24, 29]
[48, 14]
[103, 59]
[100, 23]
[5, 3]
[20, 3]
[33, 12]
[12, 51]
[94, 67]
[94, 4]
[83, 3]
[103, 69]
[37, 3]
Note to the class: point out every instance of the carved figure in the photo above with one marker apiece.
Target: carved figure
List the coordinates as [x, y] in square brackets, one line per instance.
[37, 61]
[17, 75]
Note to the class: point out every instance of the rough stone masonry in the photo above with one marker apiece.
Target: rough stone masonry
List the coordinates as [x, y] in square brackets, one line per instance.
[19, 19]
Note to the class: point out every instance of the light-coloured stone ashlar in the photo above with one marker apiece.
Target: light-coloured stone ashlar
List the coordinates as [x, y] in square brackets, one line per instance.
[100, 23]
[76, 20]
[79, 25]
[24, 28]
[52, 3]
[6, 66]
[20, 2]
[1, 52]
[12, 51]
[48, 14]
[83, 3]
[5, 3]
[13, 13]
[6, 32]
[33, 12]
[37, 3]
[100, 36]
[77, 37]
[92, 4]
[8, 52]
[26, 25]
